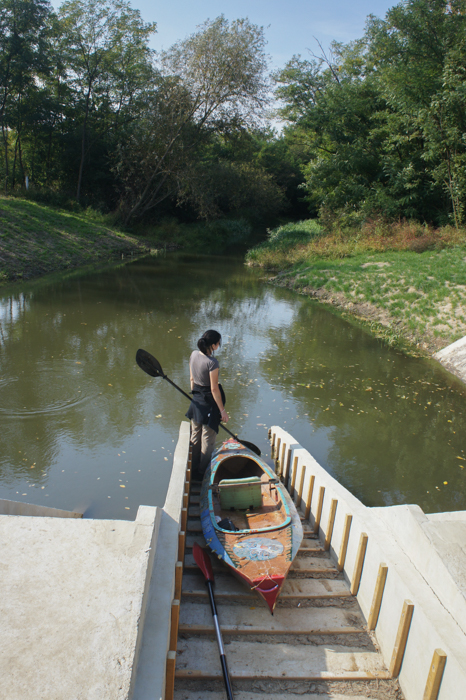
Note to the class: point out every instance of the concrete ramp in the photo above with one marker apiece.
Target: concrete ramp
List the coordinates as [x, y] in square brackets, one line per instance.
[453, 357]
[72, 604]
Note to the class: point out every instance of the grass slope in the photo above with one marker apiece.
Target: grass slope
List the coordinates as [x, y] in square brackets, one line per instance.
[36, 240]
[407, 282]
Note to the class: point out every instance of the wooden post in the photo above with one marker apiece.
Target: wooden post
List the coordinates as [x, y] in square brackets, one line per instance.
[377, 599]
[185, 499]
[287, 468]
[401, 638]
[190, 457]
[320, 504]
[269, 433]
[184, 519]
[174, 621]
[310, 491]
[435, 675]
[359, 564]
[170, 675]
[331, 521]
[299, 496]
[281, 461]
[178, 579]
[294, 471]
[181, 545]
[344, 542]
[272, 449]
[276, 450]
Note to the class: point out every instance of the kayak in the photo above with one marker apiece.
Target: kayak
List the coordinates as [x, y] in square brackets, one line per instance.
[249, 520]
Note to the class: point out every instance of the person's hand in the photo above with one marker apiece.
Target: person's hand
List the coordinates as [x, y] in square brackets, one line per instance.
[224, 416]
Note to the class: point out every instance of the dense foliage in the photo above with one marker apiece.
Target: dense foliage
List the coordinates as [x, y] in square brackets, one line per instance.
[89, 114]
[384, 117]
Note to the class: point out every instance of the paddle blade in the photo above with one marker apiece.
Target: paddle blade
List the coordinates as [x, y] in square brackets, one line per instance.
[202, 559]
[251, 446]
[149, 364]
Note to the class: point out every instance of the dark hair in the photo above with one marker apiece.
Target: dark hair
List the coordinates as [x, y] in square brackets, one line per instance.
[208, 339]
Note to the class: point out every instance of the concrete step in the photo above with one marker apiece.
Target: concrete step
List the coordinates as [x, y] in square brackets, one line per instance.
[307, 546]
[259, 660]
[308, 565]
[196, 618]
[299, 589]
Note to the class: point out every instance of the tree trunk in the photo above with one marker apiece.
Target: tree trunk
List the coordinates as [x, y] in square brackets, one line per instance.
[83, 144]
[5, 143]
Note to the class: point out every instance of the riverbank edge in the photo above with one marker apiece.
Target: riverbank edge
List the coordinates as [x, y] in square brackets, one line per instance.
[369, 316]
[38, 240]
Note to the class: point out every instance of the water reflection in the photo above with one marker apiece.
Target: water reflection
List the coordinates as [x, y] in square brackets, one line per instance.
[82, 426]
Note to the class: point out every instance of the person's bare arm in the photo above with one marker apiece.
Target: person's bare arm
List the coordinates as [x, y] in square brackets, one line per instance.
[217, 395]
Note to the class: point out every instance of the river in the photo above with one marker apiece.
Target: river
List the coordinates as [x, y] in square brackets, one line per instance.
[83, 427]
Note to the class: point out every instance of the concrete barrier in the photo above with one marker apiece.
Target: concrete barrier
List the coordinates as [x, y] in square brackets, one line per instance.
[415, 605]
[73, 596]
[453, 357]
[151, 670]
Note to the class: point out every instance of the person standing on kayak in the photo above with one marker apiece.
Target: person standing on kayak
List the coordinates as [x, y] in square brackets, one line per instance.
[207, 407]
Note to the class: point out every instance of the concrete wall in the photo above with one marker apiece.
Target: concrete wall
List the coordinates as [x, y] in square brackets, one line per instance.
[409, 578]
[150, 675]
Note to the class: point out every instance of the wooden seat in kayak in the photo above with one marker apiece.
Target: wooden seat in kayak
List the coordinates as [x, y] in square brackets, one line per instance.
[240, 494]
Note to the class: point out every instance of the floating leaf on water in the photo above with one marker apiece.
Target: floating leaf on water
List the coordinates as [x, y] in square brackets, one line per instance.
[122, 486]
[159, 415]
[445, 483]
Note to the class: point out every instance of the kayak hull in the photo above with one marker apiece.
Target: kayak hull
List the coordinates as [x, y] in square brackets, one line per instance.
[257, 543]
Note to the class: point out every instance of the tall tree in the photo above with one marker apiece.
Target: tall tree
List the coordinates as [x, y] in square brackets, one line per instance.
[212, 78]
[105, 45]
[23, 57]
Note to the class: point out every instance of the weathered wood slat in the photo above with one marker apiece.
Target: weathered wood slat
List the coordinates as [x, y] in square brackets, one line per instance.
[196, 618]
[300, 589]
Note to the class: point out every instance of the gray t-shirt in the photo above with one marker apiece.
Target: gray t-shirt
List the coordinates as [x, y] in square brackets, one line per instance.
[201, 365]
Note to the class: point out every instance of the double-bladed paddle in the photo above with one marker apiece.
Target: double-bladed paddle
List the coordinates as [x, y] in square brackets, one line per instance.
[153, 368]
[202, 559]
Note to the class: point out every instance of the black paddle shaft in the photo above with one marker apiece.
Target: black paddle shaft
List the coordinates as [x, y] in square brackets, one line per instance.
[223, 660]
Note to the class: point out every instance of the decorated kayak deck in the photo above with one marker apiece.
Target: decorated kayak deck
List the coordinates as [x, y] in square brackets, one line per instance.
[249, 520]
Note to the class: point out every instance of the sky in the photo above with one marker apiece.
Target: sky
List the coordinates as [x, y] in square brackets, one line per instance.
[290, 26]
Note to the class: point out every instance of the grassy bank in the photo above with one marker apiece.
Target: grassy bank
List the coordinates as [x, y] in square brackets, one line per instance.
[407, 281]
[36, 239]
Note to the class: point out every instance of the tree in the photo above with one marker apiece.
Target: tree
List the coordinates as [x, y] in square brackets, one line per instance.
[211, 79]
[23, 43]
[104, 44]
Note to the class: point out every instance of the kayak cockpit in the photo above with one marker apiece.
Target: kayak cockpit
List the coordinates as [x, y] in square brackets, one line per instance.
[246, 498]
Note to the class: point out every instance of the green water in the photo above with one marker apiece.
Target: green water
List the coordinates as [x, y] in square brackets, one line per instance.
[83, 427]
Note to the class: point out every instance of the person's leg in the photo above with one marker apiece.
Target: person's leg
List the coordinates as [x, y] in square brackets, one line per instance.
[196, 440]
[207, 447]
